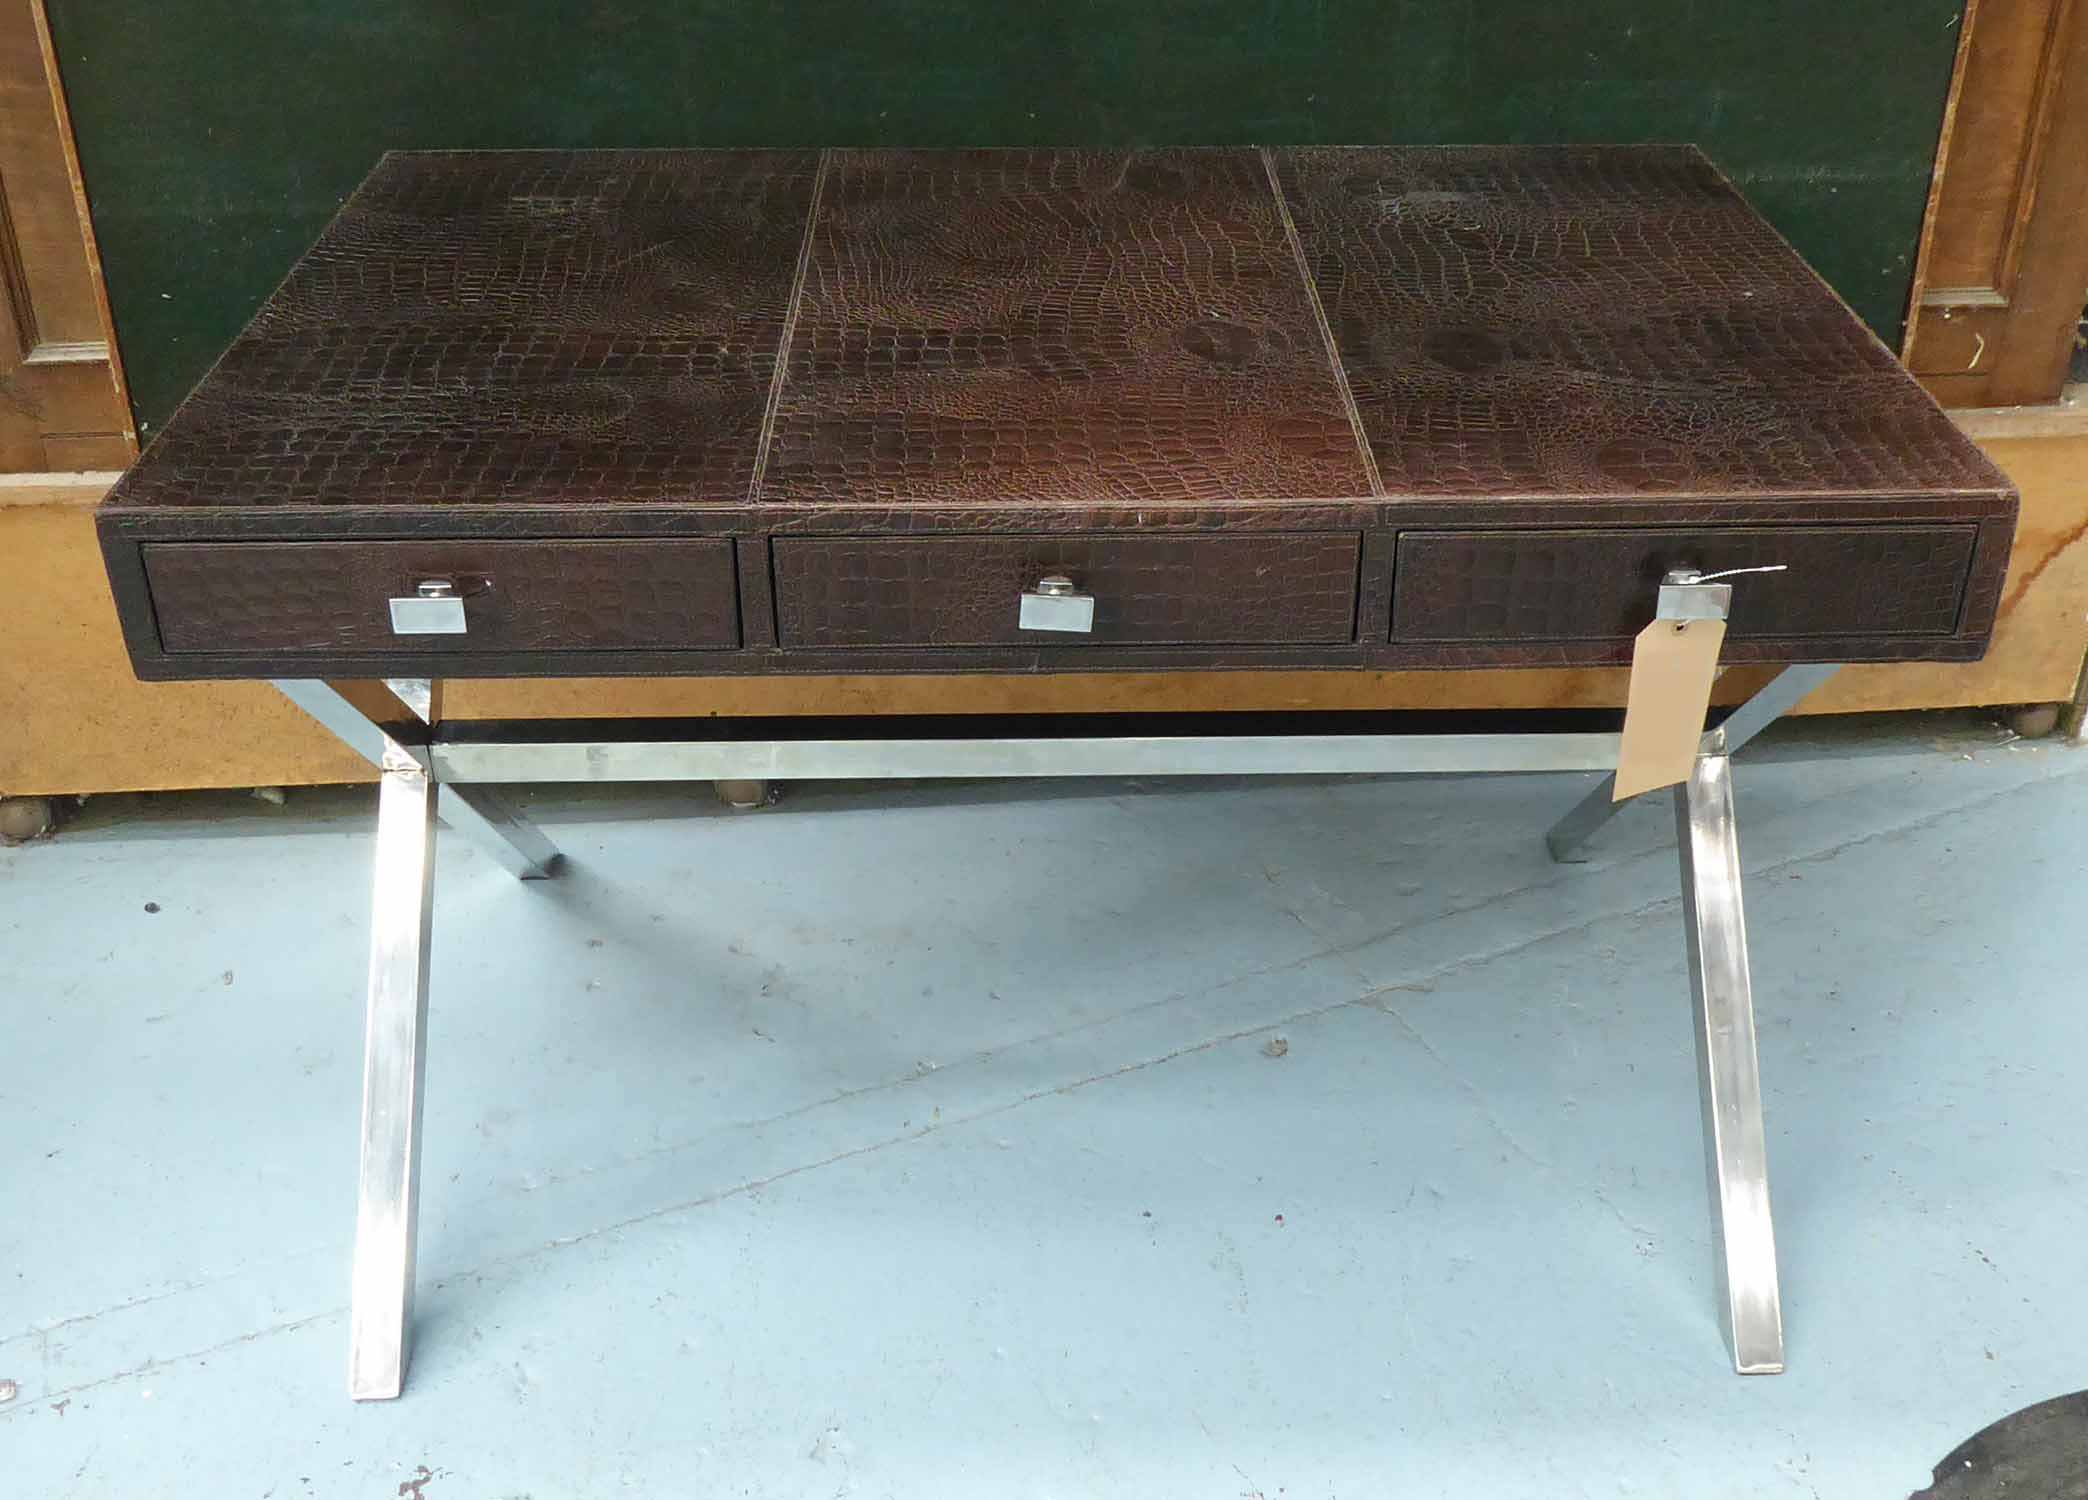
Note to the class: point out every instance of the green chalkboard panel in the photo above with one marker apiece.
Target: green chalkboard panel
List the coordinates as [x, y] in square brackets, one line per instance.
[218, 136]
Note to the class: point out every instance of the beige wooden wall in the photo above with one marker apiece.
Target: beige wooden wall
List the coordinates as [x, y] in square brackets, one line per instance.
[73, 719]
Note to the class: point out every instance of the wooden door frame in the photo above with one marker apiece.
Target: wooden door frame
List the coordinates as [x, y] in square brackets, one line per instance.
[2002, 271]
[63, 405]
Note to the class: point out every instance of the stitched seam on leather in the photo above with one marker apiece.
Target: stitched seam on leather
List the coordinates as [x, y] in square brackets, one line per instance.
[1319, 316]
[790, 319]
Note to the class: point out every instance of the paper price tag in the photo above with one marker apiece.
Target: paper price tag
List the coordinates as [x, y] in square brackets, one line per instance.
[1672, 665]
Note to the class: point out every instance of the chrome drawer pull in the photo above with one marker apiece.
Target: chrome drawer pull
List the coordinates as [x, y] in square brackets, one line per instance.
[433, 608]
[1054, 604]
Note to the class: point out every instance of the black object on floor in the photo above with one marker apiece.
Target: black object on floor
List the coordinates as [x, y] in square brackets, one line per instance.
[2040, 1453]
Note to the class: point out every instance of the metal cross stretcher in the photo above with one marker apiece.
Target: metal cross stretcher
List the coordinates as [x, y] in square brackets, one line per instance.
[432, 770]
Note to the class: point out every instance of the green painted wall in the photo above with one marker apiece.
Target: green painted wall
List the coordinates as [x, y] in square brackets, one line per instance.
[218, 137]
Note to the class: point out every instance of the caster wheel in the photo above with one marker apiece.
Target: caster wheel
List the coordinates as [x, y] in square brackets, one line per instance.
[744, 796]
[26, 818]
[2032, 721]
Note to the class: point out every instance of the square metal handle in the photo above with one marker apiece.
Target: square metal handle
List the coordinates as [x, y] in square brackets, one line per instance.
[1054, 604]
[433, 608]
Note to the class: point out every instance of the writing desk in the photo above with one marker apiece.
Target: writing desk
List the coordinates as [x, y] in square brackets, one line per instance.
[706, 412]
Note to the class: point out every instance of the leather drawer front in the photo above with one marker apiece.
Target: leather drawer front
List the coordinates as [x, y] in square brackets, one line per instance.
[324, 597]
[1276, 588]
[1600, 585]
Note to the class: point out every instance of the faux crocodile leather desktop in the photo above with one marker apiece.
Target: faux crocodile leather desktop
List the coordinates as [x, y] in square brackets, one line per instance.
[731, 411]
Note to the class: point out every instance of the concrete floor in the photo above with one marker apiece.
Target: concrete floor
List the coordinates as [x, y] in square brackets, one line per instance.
[938, 1141]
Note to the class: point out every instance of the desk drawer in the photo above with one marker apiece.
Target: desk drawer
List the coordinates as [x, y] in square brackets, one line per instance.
[1247, 589]
[330, 597]
[1601, 585]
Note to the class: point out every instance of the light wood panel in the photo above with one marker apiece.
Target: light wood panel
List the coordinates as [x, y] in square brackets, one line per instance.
[62, 403]
[2003, 269]
[72, 718]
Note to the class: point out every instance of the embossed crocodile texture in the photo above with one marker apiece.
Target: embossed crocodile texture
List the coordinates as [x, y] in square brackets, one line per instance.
[1566, 585]
[785, 349]
[518, 596]
[1038, 327]
[501, 326]
[1590, 320]
[964, 591]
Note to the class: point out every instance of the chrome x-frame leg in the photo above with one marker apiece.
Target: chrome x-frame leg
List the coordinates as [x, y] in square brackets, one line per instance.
[1729, 1076]
[396, 725]
[375, 720]
[1782, 693]
[1728, 1071]
[393, 725]
[478, 812]
[394, 1064]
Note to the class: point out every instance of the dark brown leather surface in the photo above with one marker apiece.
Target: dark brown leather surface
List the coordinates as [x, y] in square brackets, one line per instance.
[518, 596]
[1585, 320]
[965, 591]
[1579, 585]
[786, 350]
[989, 328]
[491, 327]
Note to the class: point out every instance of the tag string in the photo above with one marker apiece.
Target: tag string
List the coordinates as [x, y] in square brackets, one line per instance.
[1737, 572]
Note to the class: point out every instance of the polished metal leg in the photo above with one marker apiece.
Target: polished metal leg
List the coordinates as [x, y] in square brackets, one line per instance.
[1775, 698]
[374, 719]
[394, 1058]
[1728, 1073]
[480, 813]
[367, 717]
[391, 724]
[493, 823]
[421, 695]
[1568, 837]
